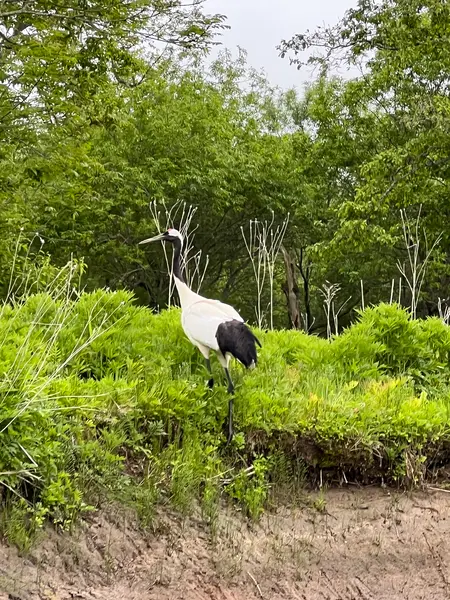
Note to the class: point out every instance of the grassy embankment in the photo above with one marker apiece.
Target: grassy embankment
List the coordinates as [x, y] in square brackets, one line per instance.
[104, 401]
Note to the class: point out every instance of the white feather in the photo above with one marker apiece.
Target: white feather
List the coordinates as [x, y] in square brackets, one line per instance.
[187, 296]
[200, 317]
[201, 320]
[228, 310]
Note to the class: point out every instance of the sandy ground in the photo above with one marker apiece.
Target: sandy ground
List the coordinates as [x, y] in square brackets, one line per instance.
[348, 544]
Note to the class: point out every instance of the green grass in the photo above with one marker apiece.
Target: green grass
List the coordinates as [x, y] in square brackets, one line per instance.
[101, 400]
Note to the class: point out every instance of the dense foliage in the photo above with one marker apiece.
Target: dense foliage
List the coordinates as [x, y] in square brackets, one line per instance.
[382, 138]
[103, 400]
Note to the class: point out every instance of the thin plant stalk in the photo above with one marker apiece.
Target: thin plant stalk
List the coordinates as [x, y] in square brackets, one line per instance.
[444, 310]
[263, 246]
[191, 263]
[391, 298]
[258, 260]
[417, 268]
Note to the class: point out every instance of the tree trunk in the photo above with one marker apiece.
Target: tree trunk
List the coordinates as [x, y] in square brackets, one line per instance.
[291, 291]
[305, 272]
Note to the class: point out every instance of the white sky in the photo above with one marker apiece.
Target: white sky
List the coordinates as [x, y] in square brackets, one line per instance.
[258, 26]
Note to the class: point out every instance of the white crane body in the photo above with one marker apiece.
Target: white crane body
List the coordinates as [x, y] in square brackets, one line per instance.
[200, 319]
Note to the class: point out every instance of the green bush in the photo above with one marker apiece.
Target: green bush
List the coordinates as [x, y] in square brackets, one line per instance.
[386, 340]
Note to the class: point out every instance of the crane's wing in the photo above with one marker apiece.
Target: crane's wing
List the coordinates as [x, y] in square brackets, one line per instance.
[227, 310]
[201, 319]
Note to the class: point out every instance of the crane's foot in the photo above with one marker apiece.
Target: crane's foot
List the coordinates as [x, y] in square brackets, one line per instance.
[211, 383]
[230, 435]
[228, 431]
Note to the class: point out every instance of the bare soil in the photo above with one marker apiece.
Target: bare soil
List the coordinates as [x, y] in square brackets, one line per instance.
[341, 545]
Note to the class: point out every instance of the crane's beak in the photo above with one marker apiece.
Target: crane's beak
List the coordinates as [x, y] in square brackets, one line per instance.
[157, 238]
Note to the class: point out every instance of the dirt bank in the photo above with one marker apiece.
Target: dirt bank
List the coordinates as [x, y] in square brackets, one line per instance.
[348, 544]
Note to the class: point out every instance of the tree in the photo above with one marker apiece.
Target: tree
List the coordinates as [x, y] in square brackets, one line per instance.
[403, 95]
[65, 71]
[56, 57]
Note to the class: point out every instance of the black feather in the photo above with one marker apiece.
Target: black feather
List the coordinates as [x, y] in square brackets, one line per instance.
[237, 339]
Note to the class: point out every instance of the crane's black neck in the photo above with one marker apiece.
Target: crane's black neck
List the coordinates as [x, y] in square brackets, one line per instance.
[176, 259]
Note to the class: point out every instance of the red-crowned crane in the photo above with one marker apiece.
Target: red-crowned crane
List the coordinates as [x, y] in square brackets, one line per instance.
[211, 324]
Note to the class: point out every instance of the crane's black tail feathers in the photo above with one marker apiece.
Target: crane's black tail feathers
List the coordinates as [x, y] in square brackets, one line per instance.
[237, 339]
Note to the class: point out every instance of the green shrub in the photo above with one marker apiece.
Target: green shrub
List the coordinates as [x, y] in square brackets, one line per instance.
[386, 340]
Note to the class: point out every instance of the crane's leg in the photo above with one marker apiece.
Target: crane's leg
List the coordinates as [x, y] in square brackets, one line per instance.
[211, 379]
[230, 406]
[205, 351]
[230, 389]
[224, 360]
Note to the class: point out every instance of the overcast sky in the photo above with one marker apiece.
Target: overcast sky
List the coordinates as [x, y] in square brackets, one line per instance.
[260, 25]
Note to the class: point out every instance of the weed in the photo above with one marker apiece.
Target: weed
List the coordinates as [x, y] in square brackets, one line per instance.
[20, 523]
[320, 502]
[250, 487]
